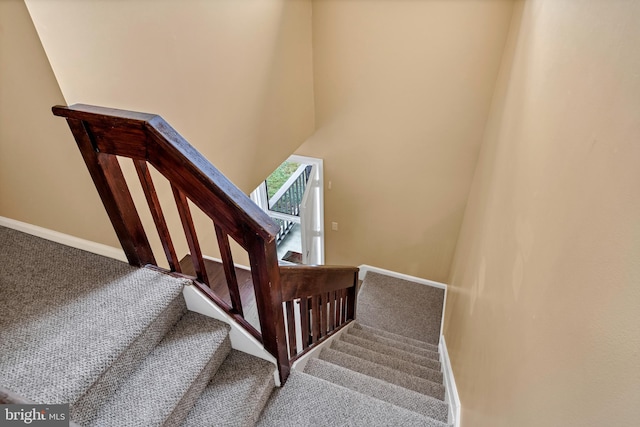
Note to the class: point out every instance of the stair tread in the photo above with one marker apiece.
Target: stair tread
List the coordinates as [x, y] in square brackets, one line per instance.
[61, 335]
[396, 337]
[361, 333]
[379, 389]
[389, 361]
[166, 384]
[391, 351]
[236, 394]
[381, 372]
[308, 400]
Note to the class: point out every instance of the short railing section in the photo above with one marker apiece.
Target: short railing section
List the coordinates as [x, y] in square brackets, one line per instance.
[284, 205]
[318, 300]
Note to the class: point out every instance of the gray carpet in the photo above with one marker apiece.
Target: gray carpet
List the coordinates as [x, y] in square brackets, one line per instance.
[236, 395]
[389, 361]
[166, 384]
[114, 341]
[77, 314]
[396, 337]
[306, 400]
[391, 351]
[399, 396]
[401, 307]
[387, 342]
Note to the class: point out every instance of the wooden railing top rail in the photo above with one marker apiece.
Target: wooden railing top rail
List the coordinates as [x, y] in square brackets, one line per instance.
[299, 281]
[149, 137]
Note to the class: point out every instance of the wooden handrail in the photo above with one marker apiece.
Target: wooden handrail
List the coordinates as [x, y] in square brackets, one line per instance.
[326, 295]
[299, 281]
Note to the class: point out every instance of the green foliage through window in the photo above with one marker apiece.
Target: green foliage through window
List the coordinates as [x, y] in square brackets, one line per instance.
[280, 176]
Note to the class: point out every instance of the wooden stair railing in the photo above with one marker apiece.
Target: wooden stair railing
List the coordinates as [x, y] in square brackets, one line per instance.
[104, 134]
[326, 299]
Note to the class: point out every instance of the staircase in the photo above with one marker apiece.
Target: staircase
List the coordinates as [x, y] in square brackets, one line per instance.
[118, 344]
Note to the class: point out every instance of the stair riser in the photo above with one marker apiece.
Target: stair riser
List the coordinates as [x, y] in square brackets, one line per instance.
[383, 373]
[392, 351]
[392, 343]
[396, 337]
[378, 389]
[191, 396]
[389, 361]
[85, 408]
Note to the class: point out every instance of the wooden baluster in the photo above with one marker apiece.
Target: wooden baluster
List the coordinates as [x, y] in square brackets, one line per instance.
[156, 212]
[332, 310]
[114, 192]
[304, 322]
[229, 269]
[291, 328]
[343, 310]
[190, 234]
[338, 307]
[351, 297]
[323, 314]
[315, 318]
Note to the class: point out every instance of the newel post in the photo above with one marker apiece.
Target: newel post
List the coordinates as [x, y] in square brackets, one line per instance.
[266, 282]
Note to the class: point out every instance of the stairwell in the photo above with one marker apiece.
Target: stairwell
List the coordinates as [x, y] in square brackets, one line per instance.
[118, 344]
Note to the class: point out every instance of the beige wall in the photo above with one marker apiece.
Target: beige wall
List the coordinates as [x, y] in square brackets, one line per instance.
[402, 92]
[235, 78]
[542, 314]
[42, 178]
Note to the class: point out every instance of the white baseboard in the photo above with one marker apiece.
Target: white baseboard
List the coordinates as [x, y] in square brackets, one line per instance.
[364, 268]
[65, 239]
[452, 397]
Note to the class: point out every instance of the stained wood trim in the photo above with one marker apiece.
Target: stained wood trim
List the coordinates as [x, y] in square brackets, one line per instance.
[229, 269]
[190, 233]
[291, 328]
[116, 198]
[301, 281]
[304, 322]
[266, 283]
[156, 212]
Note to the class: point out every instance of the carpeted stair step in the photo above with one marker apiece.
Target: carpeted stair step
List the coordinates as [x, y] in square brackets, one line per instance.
[389, 361]
[139, 347]
[306, 400]
[399, 396]
[384, 373]
[236, 394]
[391, 351]
[165, 385]
[361, 333]
[396, 337]
[79, 314]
